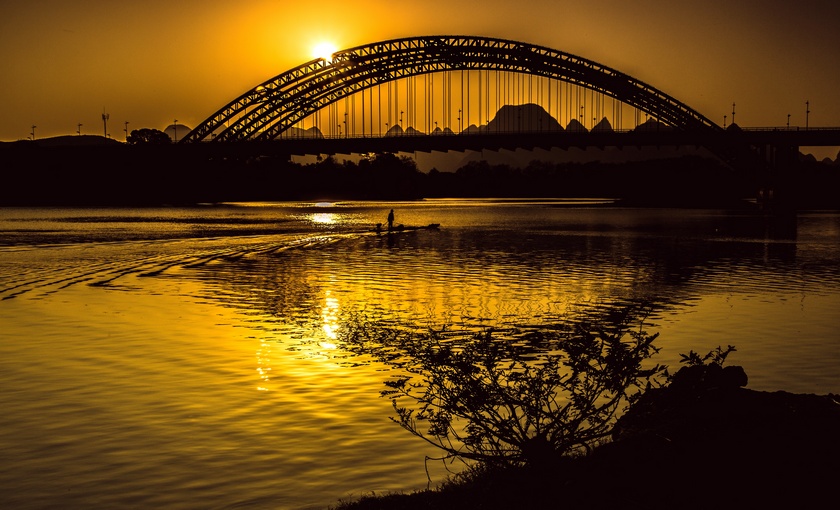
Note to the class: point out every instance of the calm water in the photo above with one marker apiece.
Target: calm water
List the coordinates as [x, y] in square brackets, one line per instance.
[189, 358]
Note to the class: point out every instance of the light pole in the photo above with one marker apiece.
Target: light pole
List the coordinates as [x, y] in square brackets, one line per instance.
[33, 131]
[733, 113]
[79, 129]
[724, 122]
[807, 111]
[126, 131]
[788, 121]
[105, 118]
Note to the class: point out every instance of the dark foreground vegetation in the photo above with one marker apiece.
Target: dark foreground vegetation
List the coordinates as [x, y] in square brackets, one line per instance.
[538, 429]
[688, 448]
[164, 174]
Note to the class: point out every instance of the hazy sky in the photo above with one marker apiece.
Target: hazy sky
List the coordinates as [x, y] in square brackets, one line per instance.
[151, 61]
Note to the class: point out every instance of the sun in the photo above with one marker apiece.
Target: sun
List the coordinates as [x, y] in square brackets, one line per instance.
[324, 50]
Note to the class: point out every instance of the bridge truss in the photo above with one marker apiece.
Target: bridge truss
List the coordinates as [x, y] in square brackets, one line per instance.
[496, 72]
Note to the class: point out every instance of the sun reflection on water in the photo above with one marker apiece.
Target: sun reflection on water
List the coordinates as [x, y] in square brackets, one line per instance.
[330, 320]
[263, 365]
[324, 218]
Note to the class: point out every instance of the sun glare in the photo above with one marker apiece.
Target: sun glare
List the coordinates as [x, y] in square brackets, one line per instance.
[324, 50]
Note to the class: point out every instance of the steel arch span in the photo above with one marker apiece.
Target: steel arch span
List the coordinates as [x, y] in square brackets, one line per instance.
[269, 109]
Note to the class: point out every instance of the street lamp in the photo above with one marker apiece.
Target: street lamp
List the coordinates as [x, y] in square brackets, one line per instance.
[807, 111]
[105, 118]
[724, 122]
[126, 131]
[788, 121]
[79, 129]
[33, 131]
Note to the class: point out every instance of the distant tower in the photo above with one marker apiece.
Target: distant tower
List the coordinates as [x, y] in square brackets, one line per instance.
[105, 118]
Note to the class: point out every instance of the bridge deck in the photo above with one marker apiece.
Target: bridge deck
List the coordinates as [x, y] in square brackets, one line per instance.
[533, 140]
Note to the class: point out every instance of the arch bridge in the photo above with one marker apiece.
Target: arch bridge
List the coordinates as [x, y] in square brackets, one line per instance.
[425, 79]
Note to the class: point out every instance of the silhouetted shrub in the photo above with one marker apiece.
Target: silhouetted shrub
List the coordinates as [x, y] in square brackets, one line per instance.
[502, 403]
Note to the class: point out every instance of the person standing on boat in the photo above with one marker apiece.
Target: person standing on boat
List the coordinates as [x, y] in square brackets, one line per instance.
[391, 220]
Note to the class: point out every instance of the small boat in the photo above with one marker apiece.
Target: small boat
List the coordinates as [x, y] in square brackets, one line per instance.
[404, 228]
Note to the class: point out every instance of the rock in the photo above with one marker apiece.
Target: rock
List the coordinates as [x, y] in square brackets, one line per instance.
[707, 377]
[749, 448]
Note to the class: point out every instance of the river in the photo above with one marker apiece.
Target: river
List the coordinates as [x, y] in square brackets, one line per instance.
[190, 357]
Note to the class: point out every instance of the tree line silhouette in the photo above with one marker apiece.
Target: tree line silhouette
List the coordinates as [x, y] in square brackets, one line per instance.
[151, 171]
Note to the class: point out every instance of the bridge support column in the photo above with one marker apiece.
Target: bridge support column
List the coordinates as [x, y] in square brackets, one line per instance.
[776, 187]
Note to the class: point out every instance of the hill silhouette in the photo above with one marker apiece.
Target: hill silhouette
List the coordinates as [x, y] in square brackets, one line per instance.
[73, 141]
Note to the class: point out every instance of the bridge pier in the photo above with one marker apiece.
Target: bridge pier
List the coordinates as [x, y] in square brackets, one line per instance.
[776, 187]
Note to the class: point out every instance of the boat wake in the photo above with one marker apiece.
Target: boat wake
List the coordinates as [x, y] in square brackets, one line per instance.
[39, 271]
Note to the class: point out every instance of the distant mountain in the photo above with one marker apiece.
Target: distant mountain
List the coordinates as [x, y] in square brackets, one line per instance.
[445, 131]
[296, 132]
[653, 125]
[575, 126]
[532, 117]
[177, 131]
[395, 130]
[525, 117]
[603, 127]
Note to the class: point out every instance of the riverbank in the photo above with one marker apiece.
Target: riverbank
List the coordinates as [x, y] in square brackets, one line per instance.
[678, 447]
[114, 174]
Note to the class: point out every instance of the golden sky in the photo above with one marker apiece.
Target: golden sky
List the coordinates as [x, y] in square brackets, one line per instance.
[151, 62]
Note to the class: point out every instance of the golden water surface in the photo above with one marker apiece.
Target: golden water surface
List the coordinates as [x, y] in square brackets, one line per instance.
[192, 358]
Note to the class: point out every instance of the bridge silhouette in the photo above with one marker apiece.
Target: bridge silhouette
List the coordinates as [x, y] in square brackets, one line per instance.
[428, 94]
[449, 93]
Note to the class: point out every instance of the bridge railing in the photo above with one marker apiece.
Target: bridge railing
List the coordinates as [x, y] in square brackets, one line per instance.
[495, 140]
[788, 128]
[442, 133]
[558, 132]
